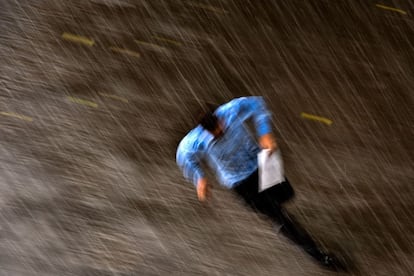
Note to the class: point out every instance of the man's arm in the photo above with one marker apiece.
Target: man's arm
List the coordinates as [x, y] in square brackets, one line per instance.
[188, 159]
[268, 141]
[203, 189]
[255, 107]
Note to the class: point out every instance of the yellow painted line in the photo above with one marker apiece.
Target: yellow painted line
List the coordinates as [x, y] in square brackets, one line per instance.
[78, 39]
[167, 40]
[207, 7]
[84, 102]
[390, 8]
[152, 45]
[18, 116]
[316, 118]
[114, 97]
[125, 51]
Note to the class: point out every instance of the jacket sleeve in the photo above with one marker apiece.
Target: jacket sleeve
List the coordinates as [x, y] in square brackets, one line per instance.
[255, 107]
[188, 158]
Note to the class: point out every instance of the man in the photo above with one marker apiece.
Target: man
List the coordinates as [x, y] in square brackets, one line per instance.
[223, 140]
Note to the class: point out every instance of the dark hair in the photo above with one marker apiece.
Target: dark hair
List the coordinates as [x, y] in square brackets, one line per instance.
[207, 119]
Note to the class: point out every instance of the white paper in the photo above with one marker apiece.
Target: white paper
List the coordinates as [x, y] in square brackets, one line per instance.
[270, 169]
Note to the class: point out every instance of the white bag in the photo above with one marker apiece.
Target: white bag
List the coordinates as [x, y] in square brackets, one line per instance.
[270, 169]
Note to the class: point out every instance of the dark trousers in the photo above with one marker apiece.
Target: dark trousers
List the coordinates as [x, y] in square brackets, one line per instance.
[269, 202]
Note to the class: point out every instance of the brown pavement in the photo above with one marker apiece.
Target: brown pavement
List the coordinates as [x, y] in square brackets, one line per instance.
[96, 94]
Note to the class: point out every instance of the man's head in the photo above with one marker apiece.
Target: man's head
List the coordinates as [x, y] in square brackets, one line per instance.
[210, 122]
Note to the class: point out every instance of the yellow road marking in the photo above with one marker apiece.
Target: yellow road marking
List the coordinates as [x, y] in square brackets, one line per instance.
[114, 97]
[125, 51]
[84, 102]
[18, 116]
[316, 118]
[152, 45]
[390, 8]
[207, 7]
[168, 40]
[78, 39]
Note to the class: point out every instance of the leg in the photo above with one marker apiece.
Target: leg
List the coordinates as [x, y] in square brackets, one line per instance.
[288, 225]
[265, 203]
[282, 192]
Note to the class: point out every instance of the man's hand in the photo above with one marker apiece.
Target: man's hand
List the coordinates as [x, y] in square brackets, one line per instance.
[203, 190]
[267, 141]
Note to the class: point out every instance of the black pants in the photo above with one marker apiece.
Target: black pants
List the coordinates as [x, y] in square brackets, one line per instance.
[269, 202]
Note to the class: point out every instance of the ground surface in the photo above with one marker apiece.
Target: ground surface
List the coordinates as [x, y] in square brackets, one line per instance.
[89, 128]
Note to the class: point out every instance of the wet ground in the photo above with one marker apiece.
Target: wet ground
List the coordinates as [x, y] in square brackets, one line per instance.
[96, 94]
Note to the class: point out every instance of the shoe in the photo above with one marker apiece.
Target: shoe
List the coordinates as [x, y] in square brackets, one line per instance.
[331, 262]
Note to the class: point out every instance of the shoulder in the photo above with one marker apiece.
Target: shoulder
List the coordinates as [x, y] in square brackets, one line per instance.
[230, 110]
[193, 141]
[225, 109]
[235, 104]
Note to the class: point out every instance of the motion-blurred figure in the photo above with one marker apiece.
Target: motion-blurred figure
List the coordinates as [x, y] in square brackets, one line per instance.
[223, 140]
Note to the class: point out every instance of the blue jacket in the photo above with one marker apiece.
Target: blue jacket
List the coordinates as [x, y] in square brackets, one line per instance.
[233, 156]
